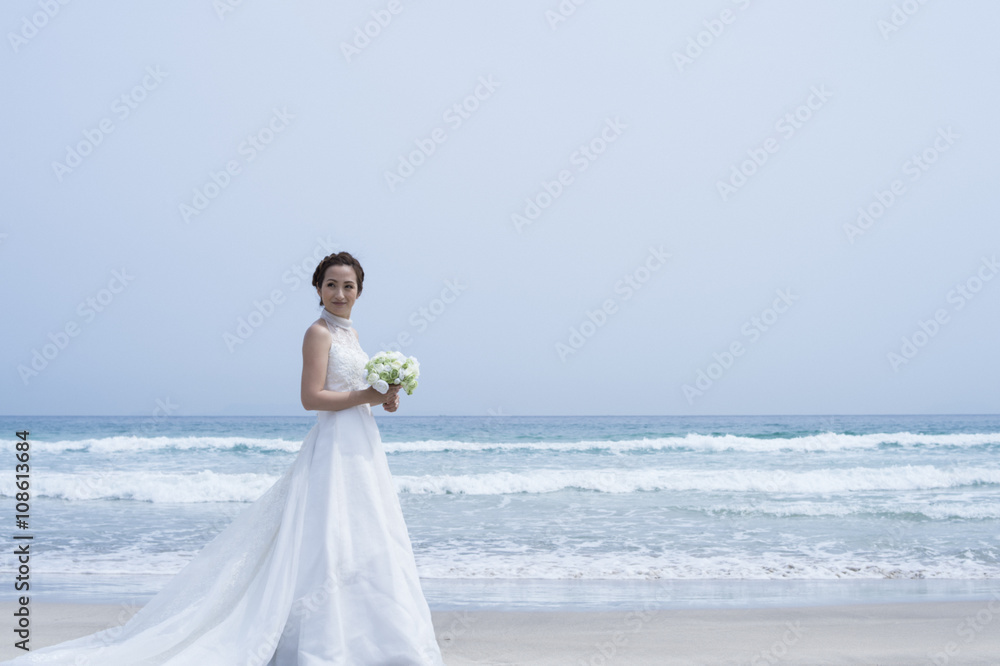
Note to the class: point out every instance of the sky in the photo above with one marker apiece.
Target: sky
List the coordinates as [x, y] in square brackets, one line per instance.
[726, 207]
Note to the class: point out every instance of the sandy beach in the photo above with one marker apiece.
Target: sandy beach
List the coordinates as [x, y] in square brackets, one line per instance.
[959, 632]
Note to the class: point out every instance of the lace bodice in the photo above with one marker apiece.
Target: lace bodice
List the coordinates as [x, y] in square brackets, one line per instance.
[346, 369]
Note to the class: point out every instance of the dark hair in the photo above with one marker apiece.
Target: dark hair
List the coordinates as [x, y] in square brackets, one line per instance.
[338, 259]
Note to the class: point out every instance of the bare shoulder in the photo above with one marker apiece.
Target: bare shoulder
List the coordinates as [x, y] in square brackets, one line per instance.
[317, 335]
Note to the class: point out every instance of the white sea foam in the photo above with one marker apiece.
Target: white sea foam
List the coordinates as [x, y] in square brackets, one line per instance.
[207, 486]
[693, 442]
[672, 565]
[133, 444]
[158, 487]
[890, 508]
[683, 565]
[907, 477]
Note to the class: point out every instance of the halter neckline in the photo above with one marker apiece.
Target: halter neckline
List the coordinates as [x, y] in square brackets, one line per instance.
[334, 319]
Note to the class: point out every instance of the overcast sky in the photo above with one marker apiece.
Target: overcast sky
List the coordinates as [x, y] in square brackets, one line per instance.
[614, 208]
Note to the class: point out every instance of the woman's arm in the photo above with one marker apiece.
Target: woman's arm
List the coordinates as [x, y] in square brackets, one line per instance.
[315, 357]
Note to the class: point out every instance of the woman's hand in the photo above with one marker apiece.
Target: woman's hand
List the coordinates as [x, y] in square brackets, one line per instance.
[391, 402]
[376, 398]
[391, 405]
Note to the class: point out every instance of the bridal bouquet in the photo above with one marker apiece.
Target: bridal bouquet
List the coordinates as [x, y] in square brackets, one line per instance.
[392, 368]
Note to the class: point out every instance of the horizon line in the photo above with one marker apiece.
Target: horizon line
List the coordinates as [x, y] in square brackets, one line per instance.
[493, 416]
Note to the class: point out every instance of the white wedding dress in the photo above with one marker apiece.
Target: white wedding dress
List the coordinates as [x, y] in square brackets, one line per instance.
[319, 570]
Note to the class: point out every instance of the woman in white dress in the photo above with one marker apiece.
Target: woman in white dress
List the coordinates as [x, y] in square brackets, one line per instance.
[319, 570]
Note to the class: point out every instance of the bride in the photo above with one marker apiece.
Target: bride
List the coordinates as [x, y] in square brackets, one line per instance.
[320, 569]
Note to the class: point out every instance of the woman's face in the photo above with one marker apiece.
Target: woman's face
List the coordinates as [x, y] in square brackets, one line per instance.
[339, 290]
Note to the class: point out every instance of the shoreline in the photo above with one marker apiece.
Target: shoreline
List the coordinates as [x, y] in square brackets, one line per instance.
[942, 632]
[571, 595]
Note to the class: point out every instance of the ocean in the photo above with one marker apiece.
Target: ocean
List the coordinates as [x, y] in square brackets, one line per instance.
[569, 512]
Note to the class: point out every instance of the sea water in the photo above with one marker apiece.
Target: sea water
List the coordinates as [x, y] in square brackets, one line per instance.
[547, 512]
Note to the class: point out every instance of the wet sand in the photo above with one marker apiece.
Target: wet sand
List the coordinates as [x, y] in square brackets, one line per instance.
[923, 632]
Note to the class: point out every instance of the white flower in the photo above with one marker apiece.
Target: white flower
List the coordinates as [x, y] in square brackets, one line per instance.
[391, 368]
